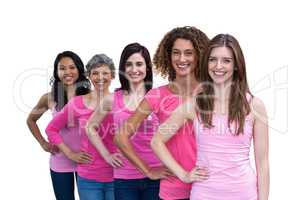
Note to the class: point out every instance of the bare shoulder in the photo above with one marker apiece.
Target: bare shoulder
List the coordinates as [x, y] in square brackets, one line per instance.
[258, 108]
[46, 101]
[187, 109]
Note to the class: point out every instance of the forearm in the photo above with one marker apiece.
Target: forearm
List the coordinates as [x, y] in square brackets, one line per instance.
[124, 144]
[96, 140]
[165, 156]
[263, 180]
[65, 149]
[34, 129]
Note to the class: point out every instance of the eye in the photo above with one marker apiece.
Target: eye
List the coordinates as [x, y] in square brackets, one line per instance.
[139, 64]
[95, 73]
[72, 67]
[227, 61]
[61, 68]
[175, 53]
[211, 59]
[128, 64]
[188, 53]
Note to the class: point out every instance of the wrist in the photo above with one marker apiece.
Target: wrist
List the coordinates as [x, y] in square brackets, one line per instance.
[43, 142]
[183, 176]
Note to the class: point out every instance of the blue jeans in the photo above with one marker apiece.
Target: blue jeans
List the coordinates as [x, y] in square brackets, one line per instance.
[94, 190]
[136, 189]
[63, 185]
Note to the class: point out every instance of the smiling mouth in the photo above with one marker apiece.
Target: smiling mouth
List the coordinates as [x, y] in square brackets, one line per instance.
[182, 66]
[68, 78]
[218, 73]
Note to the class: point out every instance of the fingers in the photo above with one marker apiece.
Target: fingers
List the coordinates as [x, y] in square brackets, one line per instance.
[117, 162]
[199, 174]
[83, 157]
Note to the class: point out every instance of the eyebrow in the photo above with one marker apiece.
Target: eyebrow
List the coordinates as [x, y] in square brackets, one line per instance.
[222, 57]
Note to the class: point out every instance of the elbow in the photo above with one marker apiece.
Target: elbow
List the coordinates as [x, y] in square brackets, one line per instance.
[29, 121]
[87, 129]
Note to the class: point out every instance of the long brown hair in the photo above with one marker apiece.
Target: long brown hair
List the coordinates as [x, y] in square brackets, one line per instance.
[162, 56]
[238, 106]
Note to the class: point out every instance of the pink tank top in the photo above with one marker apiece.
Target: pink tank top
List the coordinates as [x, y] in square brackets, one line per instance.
[182, 145]
[140, 140]
[227, 157]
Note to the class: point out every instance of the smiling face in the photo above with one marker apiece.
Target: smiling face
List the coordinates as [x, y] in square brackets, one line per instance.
[135, 68]
[101, 77]
[183, 57]
[67, 71]
[221, 65]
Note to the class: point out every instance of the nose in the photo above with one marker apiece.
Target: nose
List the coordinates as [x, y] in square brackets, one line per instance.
[134, 69]
[219, 64]
[182, 57]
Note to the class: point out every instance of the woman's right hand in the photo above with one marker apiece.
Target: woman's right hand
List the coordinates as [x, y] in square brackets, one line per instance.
[158, 173]
[80, 157]
[114, 160]
[196, 174]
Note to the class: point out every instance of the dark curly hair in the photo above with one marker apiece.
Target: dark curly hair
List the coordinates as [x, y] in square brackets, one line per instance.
[162, 56]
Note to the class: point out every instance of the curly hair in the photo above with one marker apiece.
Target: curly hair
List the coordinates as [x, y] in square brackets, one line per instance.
[162, 56]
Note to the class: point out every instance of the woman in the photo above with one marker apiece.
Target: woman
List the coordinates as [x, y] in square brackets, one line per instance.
[226, 118]
[68, 81]
[135, 74]
[178, 57]
[95, 173]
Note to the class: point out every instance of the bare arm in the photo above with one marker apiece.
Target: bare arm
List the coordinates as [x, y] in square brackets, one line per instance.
[41, 107]
[261, 148]
[165, 132]
[91, 129]
[122, 140]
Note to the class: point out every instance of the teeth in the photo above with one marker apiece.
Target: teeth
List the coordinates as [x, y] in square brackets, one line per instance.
[68, 78]
[182, 66]
[219, 73]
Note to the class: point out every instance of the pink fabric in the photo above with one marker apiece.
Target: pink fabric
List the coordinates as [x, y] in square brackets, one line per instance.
[227, 158]
[59, 162]
[75, 113]
[182, 145]
[140, 140]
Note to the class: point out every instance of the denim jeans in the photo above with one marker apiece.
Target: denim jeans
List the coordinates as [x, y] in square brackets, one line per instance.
[136, 189]
[63, 185]
[94, 190]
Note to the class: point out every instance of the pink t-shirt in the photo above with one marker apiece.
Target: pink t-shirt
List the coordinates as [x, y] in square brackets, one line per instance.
[59, 162]
[76, 114]
[140, 140]
[182, 145]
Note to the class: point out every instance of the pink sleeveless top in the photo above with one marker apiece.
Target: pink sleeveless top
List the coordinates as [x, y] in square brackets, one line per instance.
[227, 157]
[140, 140]
[182, 145]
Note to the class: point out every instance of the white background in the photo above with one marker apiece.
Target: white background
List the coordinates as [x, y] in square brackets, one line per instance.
[33, 32]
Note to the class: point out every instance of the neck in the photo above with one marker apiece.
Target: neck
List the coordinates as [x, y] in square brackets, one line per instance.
[138, 89]
[98, 94]
[70, 90]
[222, 92]
[185, 86]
